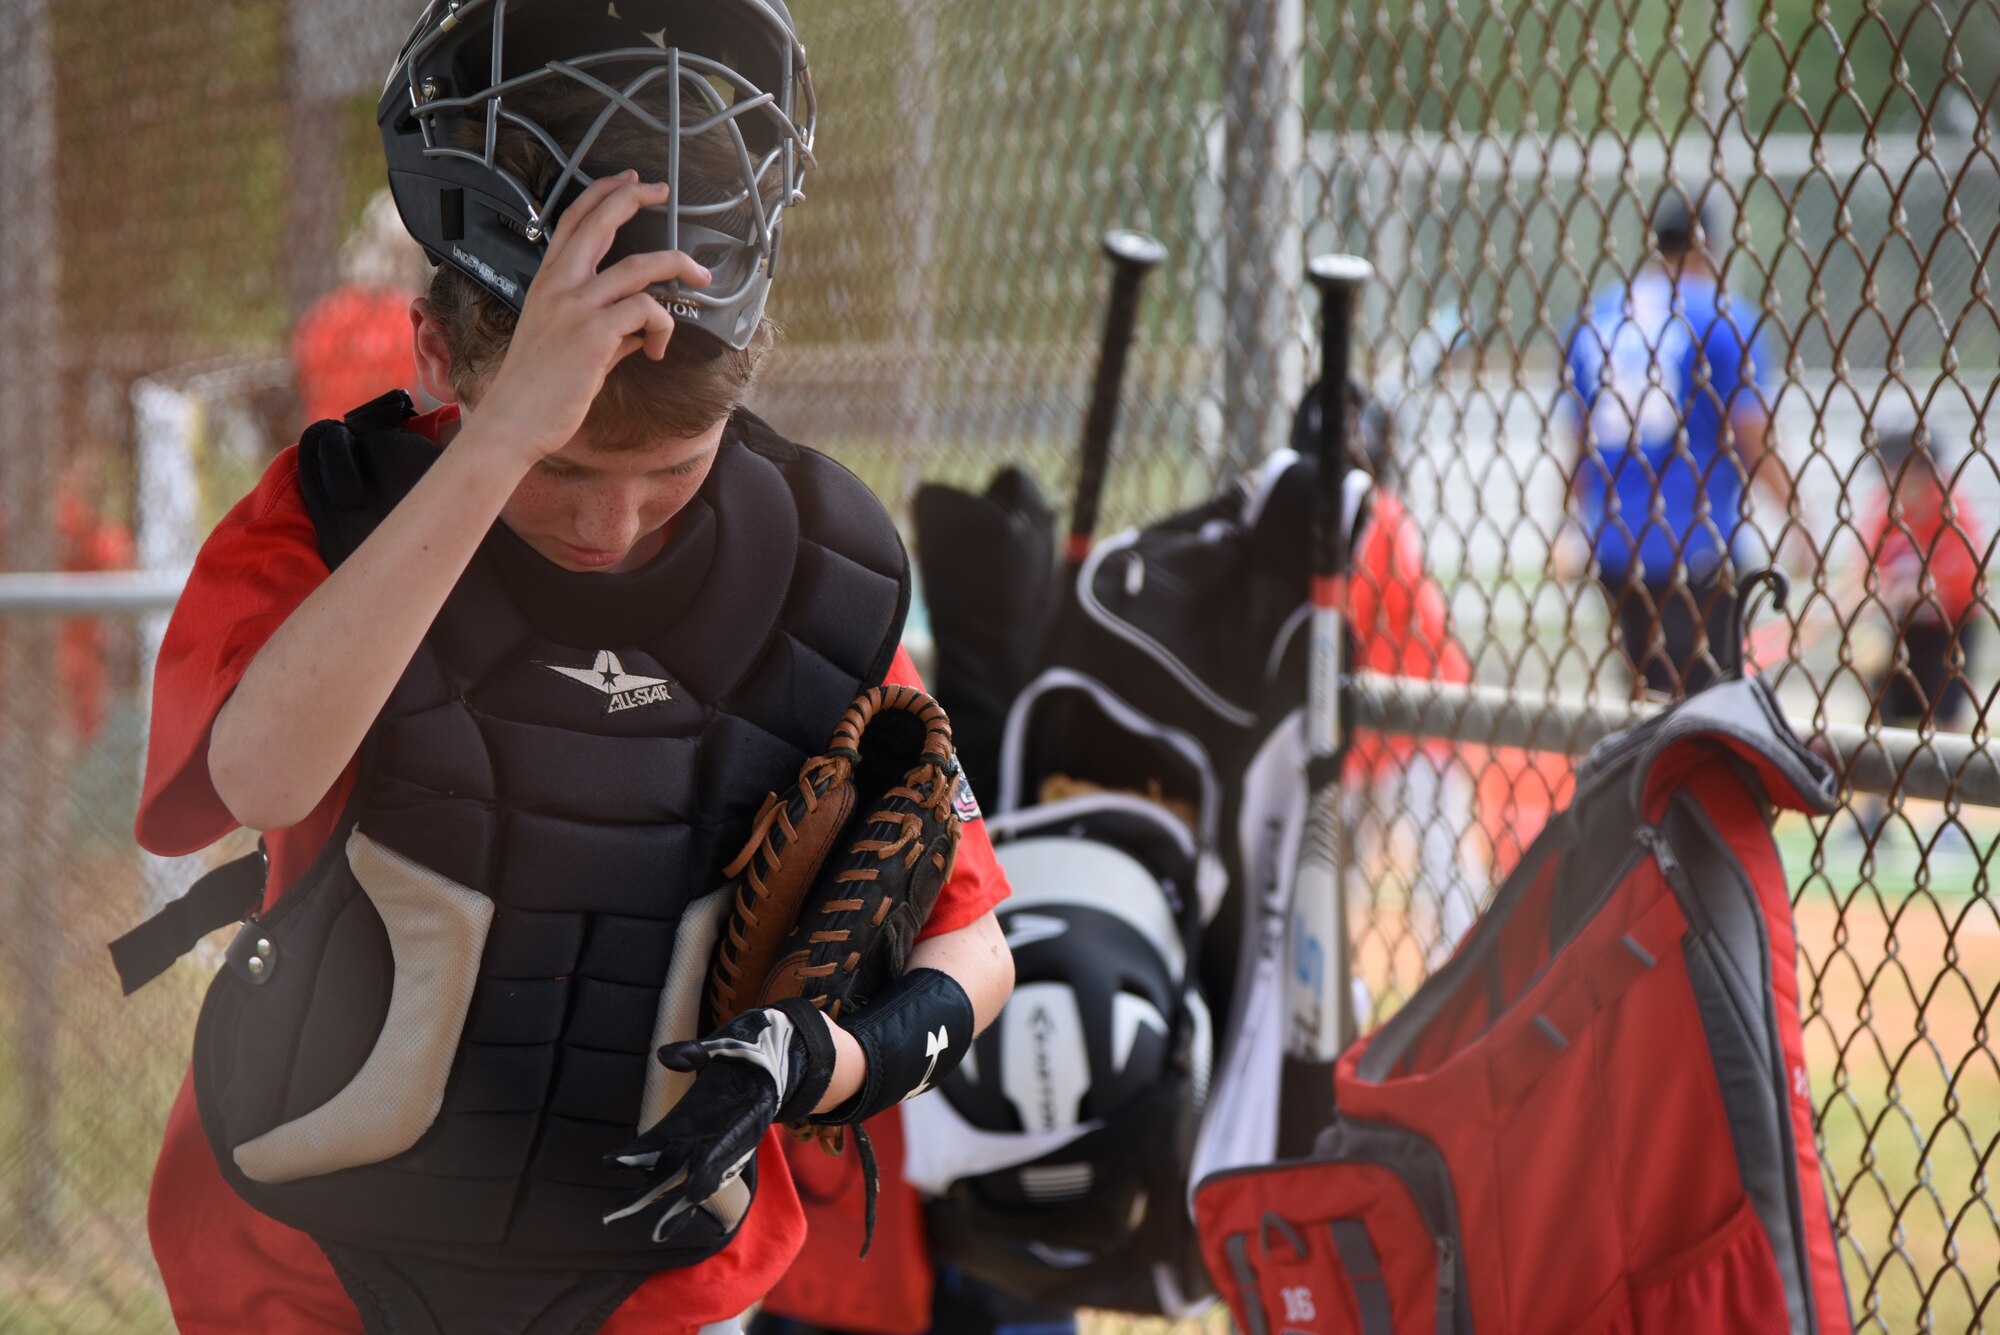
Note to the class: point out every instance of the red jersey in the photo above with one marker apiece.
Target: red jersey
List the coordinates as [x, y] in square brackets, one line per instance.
[89, 543]
[227, 1268]
[352, 345]
[1924, 541]
[1398, 617]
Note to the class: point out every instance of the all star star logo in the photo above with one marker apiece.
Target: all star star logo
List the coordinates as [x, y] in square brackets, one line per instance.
[624, 690]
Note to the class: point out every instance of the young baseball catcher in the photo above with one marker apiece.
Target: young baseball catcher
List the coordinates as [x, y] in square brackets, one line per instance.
[607, 830]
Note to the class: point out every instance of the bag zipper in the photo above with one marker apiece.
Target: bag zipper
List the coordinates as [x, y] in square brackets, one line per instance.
[1447, 1282]
[1440, 1216]
[1653, 839]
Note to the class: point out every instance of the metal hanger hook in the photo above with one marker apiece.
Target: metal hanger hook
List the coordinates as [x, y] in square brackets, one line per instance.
[1779, 586]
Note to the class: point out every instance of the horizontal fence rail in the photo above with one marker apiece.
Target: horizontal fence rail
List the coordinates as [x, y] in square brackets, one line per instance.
[1937, 767]
[90, 592]
[1932, 766]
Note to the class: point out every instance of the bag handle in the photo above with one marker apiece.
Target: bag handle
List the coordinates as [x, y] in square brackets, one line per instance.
[1353, 1251]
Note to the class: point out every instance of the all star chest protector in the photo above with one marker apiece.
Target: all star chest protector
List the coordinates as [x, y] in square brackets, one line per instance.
[431, 1042]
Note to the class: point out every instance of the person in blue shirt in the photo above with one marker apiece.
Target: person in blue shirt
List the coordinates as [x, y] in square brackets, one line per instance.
[1668, 395]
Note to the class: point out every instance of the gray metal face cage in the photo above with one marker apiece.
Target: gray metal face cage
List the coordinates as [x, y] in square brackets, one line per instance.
[781, 119]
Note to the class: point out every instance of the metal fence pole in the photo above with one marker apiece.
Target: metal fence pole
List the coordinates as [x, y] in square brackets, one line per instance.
[1719, 70]
[167, 537]
[316, 188]
[1263, 232]
[916, 208]
[1927, 766]
[30, 402]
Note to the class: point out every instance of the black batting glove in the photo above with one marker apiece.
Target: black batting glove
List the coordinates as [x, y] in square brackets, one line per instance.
[765, 1066]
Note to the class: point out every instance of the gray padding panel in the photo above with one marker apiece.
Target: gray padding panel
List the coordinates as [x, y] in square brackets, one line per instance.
[1364, 1275]
[437, 931]
[680, 1020]
[679, 1016]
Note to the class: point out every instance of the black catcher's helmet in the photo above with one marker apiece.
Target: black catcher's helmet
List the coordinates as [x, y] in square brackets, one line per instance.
[688, 70]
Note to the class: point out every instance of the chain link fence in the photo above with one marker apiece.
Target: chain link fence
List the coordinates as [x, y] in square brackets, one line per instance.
[178, 188]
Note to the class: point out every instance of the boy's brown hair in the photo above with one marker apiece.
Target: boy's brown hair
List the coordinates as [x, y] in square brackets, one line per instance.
[701, 381]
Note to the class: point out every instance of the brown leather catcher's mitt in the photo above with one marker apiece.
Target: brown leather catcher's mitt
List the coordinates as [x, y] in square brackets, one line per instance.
[843, 867]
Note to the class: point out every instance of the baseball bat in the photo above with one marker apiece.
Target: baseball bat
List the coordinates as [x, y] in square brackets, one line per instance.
[1133, 255]
[1322, 1018]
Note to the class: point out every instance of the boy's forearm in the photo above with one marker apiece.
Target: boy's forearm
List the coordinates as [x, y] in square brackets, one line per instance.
[977, 956]
[308, 698]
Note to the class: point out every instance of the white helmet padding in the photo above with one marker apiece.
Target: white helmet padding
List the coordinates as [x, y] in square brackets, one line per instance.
[1056, 870]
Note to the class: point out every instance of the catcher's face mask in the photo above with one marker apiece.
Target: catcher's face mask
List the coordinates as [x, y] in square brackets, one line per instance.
[730, 73]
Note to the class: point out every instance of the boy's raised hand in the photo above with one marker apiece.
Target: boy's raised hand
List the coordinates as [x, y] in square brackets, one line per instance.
[577, 323]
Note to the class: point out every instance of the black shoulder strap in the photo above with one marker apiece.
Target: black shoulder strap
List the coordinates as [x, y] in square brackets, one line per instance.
[353, 471]
[762, 437]
[837, 509]
[228, 894]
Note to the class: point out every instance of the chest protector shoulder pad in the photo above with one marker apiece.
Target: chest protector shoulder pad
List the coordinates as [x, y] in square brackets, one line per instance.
[431, 1042]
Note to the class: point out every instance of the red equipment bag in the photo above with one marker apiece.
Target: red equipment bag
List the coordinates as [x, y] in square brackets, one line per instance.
[1594, 1120]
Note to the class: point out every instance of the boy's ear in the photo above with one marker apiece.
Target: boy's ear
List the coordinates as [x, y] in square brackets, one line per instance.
[433, 356]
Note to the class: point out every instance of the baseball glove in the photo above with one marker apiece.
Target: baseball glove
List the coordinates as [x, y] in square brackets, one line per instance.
[842, 869]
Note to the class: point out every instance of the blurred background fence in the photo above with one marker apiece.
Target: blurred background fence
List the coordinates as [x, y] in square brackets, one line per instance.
[189, 267]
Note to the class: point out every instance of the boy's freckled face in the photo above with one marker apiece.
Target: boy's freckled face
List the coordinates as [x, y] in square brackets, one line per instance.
[604, 510]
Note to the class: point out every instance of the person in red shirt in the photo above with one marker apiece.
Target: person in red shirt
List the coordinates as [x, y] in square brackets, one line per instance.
[353, 343]
[591, 468]
[1399, 615]
[1929, 559]
[89, 543]
[1399, 626]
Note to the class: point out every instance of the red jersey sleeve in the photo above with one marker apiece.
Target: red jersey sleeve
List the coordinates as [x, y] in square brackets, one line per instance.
[1958, 559]
[258, 565]
[1874, 528]
[977, 885]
